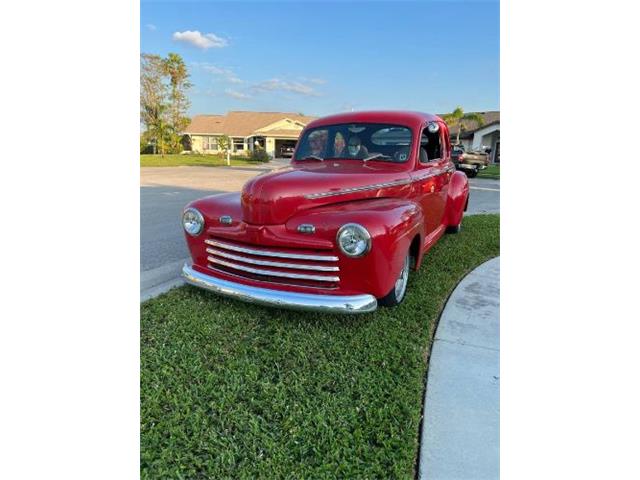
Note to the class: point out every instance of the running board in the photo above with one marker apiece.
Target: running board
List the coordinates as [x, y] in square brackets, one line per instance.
[433, 237]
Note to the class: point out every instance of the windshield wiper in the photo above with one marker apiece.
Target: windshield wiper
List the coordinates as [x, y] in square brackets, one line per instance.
[376, 155]
[310, 157]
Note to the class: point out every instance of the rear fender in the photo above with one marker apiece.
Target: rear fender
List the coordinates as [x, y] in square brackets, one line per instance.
[457, 197]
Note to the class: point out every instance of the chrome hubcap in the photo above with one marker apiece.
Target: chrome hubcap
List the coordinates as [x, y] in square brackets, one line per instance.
[401, 282]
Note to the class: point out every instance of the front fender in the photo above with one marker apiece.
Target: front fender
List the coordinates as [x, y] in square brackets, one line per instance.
[393, 225]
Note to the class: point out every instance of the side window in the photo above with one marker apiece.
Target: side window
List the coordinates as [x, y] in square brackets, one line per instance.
[431, 148]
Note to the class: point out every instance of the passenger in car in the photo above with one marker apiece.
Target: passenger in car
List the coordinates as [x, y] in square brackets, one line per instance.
[355, 149]
[338, 145]
[318, 142]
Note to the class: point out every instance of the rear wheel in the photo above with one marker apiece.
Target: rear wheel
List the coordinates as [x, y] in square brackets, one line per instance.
[455, 228]
[397, 293]
[472, 173]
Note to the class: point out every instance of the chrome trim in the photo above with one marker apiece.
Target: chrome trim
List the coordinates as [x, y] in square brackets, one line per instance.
[357, 226]
[200, 218]
[282, 299]
[267, 263]
[242, 277]
[306, 228]
[226, 219]
[273, 273]
[346, 191]
[433, 127]
[427, 176]
[269, 253]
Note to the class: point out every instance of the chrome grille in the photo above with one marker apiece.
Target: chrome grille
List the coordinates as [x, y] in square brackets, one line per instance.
[273, 264]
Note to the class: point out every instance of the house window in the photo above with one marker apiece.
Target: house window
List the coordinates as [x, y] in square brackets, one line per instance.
[238, 144]
[209, 143]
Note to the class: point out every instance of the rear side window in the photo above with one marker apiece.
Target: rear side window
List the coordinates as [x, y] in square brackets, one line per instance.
[431, 147]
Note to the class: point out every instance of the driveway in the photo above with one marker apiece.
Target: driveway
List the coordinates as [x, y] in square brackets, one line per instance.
[164, 191]
[460, 436]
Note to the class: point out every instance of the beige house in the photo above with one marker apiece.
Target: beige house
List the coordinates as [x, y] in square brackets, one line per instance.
[475, 137]
[272, 131]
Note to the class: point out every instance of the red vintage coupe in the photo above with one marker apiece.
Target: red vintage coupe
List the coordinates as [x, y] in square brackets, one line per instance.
[365, 196]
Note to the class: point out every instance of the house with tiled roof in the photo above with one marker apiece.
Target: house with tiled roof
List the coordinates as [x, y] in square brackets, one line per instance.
[271, 131]
[476, 137]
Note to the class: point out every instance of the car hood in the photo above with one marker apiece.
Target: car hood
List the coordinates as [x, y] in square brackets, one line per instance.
[275, 197]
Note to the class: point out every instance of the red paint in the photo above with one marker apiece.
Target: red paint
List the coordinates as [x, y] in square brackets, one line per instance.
[424, 200]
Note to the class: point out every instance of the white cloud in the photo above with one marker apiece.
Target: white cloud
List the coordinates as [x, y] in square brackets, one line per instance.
[317, 81]
[237, 95]
[282, 85]
[224, 73]
[152, 27]
[197, 39]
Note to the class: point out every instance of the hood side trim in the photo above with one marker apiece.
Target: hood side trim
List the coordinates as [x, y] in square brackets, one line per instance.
[345, 191]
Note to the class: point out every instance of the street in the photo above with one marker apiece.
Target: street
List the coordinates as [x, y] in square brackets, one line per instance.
[484, 196]
[164, 191]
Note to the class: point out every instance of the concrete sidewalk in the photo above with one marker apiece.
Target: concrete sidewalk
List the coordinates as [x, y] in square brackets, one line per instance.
[460, 436]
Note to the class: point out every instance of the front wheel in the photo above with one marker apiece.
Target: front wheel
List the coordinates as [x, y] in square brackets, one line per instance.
[397, 293]
[472, 173]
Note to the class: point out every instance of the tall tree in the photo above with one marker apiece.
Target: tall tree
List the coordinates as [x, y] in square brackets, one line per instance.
[163, 99]
[457, 117]
[153, 90]
[175, 69]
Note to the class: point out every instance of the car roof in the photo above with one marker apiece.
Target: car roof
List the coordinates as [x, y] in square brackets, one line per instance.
[398, 117]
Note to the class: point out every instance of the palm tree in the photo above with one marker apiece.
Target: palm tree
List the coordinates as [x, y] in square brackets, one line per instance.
[158, 128]
[455, 119]
[174, 67]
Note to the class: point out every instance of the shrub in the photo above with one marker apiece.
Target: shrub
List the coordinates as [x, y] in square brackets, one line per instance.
[146, 149]
[260, 155]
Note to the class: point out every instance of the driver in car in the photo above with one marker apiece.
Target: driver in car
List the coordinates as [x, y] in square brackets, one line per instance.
[355, 149]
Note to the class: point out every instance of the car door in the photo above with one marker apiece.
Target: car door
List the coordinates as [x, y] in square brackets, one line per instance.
[431, 177]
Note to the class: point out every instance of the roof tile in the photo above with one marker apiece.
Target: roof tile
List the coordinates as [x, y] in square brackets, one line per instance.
[240, 123]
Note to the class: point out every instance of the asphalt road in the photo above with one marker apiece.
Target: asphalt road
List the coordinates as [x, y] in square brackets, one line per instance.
[164, 191]
[484, 196]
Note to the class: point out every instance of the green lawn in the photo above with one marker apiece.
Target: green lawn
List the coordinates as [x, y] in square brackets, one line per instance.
[231, 390]
[192, 160]
[492, 171]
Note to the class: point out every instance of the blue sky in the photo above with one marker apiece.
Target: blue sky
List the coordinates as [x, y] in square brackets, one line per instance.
[325, 57]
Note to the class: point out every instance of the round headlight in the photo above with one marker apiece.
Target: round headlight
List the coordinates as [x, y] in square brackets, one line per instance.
[192, 221]
[354, 240]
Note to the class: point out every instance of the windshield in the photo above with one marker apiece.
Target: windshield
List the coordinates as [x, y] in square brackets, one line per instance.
[357, 141]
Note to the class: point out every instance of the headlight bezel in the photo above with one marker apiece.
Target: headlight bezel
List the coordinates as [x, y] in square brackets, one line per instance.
[365, 236]
[199, 217]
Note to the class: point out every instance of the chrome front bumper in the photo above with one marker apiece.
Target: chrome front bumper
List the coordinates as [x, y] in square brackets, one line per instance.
[278, 298]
